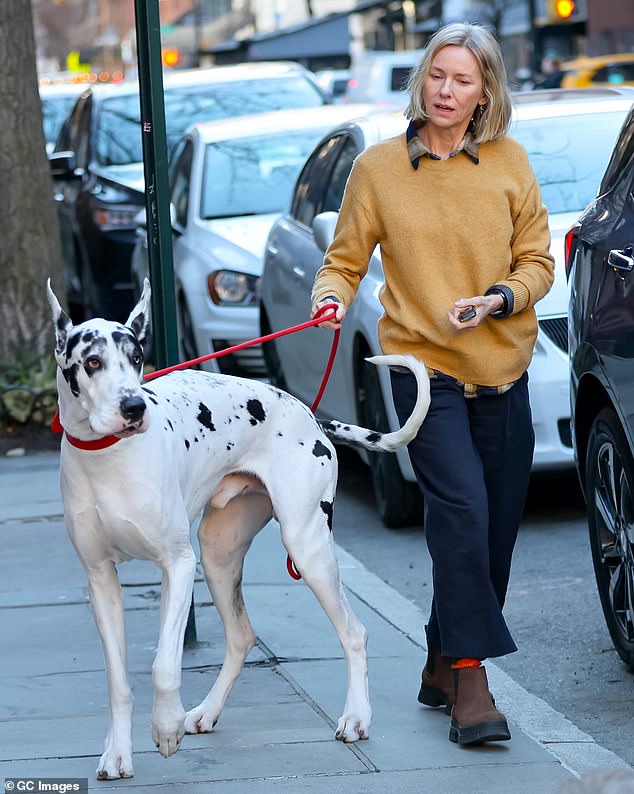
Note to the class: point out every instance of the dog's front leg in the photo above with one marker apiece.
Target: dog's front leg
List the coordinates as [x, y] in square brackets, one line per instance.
[168, 715]
[106, 602]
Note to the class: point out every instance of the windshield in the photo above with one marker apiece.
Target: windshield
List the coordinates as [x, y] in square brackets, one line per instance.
[253, 176]
[118, 135]
[569, 155]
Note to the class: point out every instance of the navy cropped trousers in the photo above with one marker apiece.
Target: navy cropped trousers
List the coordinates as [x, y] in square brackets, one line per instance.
[472, 458]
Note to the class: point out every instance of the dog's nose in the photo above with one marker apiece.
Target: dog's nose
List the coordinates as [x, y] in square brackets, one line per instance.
[132, 408]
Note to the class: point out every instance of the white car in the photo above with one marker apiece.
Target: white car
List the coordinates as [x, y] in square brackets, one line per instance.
[230, 180]
[569, 136]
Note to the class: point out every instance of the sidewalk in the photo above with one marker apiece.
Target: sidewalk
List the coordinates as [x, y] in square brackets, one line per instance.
[276, 732]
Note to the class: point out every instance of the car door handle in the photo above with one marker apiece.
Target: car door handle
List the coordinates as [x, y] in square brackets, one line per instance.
[299, 271]
[621, 260]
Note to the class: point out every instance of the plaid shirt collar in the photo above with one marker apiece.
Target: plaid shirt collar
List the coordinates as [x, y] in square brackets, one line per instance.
[417, 149]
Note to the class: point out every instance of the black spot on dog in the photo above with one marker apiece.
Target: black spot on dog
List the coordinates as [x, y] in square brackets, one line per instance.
[327, 427]
[256, 409]
[171, 425]
[280, 434]
[320, 450]
[195, 439]
[70, 376]
[327, 508]
[88, 336]
[71, 345]
[187, 445]
[204, 416]
[373, 437]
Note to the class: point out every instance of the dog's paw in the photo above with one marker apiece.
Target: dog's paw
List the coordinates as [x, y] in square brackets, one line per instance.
[167, 733]
[113, 765]
[351, 728]
[200, 720]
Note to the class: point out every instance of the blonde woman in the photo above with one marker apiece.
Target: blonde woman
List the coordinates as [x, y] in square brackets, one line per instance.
[456, 209]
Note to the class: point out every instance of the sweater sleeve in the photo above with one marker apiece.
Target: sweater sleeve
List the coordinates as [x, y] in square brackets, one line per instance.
[356, 235]
[532, 267]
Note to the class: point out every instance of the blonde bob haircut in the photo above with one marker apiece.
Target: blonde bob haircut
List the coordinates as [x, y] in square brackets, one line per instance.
[489, 122]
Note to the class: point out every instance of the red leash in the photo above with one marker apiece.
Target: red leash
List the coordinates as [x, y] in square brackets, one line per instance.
[107, 441]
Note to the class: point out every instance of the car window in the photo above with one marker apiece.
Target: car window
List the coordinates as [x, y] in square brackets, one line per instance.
[54, 112]
[180, 180]
[399, 76]
[118, 137]
[614, 73]
[253, 175]
[569, 155]
[313, 181]
[622, 154]
[340, 172]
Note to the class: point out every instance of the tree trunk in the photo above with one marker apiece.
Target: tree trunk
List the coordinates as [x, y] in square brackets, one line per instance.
[29, 235]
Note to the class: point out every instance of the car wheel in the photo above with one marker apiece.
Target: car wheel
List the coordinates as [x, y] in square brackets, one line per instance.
[398, 501]
[271, 356]
[610, 500]
[187, 341]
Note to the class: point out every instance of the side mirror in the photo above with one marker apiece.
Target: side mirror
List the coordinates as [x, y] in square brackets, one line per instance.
[62, 165]
[324, 228]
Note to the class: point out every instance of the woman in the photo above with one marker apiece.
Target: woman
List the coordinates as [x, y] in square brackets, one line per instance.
[454, 205]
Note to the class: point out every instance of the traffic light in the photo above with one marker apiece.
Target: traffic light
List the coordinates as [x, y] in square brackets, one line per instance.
[170, 56]
[562, 10]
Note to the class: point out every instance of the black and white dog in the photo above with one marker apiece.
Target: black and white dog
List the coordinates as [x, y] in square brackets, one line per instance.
[140, 462]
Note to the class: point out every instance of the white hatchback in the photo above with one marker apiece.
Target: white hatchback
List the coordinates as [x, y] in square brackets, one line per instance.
[569, 135]
[230, 180]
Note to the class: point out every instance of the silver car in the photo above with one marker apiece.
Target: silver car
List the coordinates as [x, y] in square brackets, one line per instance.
[569, 135]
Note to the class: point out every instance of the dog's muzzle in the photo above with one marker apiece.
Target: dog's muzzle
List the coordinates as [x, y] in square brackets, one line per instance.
[132, 409]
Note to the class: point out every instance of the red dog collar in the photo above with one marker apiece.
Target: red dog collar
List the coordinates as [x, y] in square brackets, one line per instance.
[98, 443]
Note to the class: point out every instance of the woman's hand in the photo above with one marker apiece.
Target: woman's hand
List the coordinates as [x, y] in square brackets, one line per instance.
[474, 310]
[334, 323]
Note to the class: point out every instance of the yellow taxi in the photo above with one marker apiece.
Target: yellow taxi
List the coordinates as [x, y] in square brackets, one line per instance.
[602, 70]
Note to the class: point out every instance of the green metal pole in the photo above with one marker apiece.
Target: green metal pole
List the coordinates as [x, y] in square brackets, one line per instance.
[157, 204]
[157, 200]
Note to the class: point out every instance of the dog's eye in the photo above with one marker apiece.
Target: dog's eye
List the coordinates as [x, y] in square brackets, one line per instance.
[93, 363]
[137, 360]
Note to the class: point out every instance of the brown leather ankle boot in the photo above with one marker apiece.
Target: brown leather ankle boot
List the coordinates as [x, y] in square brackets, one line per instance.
[437, 684]
[474, 718]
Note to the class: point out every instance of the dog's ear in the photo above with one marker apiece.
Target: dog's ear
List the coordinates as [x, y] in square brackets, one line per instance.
[61, 320]
[139, 318]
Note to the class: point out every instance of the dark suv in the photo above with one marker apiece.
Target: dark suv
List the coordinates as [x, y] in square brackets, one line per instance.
[97, 165]
[600, 267]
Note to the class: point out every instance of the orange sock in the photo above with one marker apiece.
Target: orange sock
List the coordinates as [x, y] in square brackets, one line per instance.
[466, 662]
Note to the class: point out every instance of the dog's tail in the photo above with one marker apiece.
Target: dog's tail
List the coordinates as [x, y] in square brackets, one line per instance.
[372, 439]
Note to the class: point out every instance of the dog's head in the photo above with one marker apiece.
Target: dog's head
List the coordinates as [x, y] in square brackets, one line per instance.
[101, 367]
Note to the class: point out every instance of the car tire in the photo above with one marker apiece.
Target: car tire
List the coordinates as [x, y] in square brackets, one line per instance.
[399, 502]
[186, 339]
[610, 502]
[271, 356]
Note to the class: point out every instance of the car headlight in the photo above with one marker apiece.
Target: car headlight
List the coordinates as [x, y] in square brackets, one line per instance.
[230, 286]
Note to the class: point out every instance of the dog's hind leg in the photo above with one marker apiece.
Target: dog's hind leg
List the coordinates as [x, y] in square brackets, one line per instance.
[311, 546]
[106, 603]
[168, 714]
[225, 536]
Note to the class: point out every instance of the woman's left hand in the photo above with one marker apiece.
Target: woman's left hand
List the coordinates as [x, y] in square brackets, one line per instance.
[474, 310]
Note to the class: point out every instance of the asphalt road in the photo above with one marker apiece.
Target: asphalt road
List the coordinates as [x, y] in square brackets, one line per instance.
[565, 652]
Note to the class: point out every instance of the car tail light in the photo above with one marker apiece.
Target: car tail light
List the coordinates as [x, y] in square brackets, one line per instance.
[569, 247]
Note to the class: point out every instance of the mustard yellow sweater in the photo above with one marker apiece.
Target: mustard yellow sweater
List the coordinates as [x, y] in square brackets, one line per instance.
[449, 230]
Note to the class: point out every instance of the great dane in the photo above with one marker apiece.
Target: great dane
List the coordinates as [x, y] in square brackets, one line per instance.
[139, 462]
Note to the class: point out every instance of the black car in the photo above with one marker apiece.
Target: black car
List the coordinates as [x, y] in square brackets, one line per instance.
[600, 267]
[97, 165]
